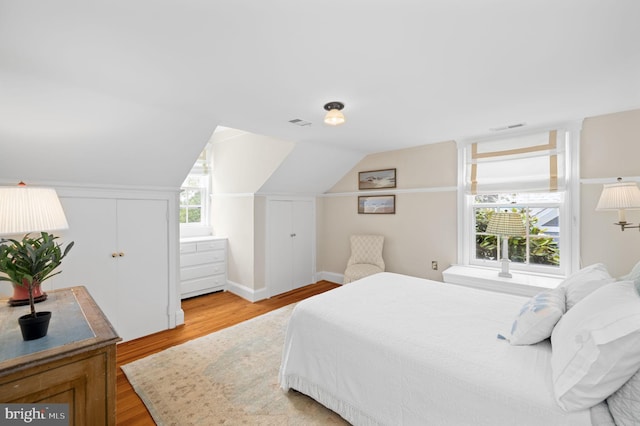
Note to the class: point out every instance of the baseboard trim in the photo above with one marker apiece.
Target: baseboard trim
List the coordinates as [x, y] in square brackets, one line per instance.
[261, 294]
[247, 293]
[330, 276]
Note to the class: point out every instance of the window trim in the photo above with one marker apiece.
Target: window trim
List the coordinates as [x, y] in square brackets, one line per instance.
[569, 211]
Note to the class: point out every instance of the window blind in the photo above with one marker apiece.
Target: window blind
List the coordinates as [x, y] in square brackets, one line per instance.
[527, 163]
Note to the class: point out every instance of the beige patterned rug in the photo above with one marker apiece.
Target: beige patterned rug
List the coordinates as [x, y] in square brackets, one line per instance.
[228, 377]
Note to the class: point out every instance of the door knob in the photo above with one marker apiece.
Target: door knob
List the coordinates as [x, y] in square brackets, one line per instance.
[114, 254]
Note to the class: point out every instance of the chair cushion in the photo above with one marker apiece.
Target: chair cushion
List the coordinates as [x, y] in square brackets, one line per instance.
[360, 270]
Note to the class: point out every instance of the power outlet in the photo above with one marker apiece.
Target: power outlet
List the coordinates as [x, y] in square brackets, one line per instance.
[434, 265]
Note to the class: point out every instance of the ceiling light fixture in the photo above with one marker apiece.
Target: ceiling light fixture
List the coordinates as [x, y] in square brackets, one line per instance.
[334, 116]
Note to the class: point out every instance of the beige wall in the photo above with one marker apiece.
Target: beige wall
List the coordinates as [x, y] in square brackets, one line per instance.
[424, 226]
[609, 147]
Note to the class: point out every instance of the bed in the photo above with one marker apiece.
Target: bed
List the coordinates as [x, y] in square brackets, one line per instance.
[392, 349]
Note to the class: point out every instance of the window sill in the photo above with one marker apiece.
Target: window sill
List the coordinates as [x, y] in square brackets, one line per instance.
[521, 284]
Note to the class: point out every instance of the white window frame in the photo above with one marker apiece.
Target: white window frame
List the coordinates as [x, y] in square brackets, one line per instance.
[568, 210]
[516, 266]
[204, 227]
[204, 204]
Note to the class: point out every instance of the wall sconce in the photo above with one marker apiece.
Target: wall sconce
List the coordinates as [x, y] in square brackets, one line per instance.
[620, 196]
[505, 225]
[334, 116]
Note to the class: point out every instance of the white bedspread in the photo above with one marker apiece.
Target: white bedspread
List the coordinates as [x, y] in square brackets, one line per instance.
[397, 350]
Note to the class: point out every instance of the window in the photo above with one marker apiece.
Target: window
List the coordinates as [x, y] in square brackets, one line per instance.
[192, 200]
[540, 212]
[194, 195]
[525, 174]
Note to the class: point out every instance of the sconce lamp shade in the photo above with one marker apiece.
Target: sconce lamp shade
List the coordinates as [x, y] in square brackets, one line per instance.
[25, 209]
[506, 224]
[620, 195]
[334, 116]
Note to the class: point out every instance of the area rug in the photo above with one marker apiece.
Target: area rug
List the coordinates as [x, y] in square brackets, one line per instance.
[228, 377]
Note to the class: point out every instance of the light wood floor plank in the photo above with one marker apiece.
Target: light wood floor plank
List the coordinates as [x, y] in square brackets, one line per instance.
[203, 315]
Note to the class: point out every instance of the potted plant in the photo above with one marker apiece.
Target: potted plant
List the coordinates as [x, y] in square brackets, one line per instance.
[28, 263]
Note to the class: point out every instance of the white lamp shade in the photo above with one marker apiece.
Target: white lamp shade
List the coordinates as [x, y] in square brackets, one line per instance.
[621, 195]
[334, 117]
[506, 224]
[25, 209]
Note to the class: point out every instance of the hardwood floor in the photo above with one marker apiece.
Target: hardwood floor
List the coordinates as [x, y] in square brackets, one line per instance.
[203, 315]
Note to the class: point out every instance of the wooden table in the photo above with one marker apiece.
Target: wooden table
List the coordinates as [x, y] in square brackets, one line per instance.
[74, 364]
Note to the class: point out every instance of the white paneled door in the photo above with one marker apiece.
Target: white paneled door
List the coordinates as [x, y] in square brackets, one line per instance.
[290, 248]
[121, 256]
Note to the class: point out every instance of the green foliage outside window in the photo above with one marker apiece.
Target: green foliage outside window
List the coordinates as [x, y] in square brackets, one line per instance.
[191, 206]
[543, 249]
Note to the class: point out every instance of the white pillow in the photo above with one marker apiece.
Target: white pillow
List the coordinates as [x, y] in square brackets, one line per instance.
[578, 291]
[537, 317]
[624, 405]
[584, 282]
[596, 346]
[633, 275]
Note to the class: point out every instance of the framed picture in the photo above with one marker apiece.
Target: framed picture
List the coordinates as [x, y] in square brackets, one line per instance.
[377, 204]
[377, 179]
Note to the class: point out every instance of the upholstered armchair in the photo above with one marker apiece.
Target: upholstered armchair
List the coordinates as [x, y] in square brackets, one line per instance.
[366, 257]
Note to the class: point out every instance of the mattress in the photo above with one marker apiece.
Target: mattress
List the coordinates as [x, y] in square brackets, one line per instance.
[393, 349]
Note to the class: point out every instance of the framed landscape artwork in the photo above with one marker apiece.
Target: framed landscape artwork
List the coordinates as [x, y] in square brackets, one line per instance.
[377, 179]
[377, 204]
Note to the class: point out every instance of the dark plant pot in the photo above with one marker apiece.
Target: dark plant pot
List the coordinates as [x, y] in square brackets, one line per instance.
[34, 328]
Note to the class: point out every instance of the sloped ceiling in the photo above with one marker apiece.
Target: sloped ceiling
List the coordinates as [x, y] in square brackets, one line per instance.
[127, 92]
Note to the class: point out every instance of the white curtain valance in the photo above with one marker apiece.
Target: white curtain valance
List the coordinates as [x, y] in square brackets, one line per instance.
[202, 166]
[527, 163]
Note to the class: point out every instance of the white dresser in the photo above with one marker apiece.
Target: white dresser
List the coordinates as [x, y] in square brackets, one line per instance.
[203, 265]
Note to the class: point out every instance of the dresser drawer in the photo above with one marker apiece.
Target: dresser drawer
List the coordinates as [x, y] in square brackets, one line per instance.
[211, 245]
[202, 285]
[188, 248]
[202, 258]
[190, 273]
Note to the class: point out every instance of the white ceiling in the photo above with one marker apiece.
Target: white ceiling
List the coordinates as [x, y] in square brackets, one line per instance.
[110, 91]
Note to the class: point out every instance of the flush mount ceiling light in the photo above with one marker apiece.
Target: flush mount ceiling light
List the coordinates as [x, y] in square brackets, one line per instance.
[334, 116]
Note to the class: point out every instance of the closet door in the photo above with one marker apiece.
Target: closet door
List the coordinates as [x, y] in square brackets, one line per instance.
[92, 228]
[120, 255]
[143, 284]
[290, 248]
[303, 227]
[280, 247]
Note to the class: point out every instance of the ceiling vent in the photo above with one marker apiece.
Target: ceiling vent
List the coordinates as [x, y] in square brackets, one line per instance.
[299, 122]
[509, 127]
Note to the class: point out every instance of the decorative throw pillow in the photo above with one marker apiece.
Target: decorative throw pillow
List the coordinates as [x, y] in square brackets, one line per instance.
[584, 282]
[624, 404]
[537, 317]
[596, 346]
